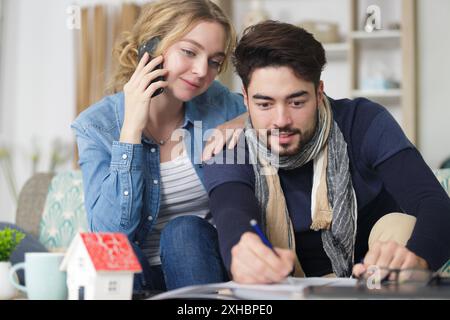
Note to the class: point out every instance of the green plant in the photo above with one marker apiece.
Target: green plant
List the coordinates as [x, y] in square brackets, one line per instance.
[9, 240]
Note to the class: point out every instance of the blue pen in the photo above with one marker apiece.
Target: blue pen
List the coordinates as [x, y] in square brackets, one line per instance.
[261, 235]
[263, 238]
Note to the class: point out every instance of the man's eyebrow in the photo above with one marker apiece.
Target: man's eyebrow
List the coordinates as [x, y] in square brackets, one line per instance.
[293, 95]
[297, 94]
[195, 43]
[262, 97]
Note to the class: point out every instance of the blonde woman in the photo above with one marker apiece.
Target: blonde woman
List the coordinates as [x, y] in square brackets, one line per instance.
[138, 179]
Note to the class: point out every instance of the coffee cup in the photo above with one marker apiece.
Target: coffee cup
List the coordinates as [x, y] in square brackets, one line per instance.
[43, 279]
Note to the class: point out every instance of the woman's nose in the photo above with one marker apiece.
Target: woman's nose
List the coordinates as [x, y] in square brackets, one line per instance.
[200, 67]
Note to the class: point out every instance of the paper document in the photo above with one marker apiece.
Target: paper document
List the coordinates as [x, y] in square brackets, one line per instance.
[291, 288]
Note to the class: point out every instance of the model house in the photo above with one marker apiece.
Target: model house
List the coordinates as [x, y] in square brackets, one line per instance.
[100, 266]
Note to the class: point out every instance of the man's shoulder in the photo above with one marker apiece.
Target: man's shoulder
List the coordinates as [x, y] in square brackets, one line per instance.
[355, 116]
[104, 115]
[361, 109]
[371, 132]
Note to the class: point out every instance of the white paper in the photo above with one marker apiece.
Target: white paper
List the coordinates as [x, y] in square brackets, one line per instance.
[291, 288]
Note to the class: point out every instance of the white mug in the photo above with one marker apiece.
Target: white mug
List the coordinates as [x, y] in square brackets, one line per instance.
[43, 279]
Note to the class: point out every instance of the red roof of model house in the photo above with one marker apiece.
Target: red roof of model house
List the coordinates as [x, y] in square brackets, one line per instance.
[110, 252]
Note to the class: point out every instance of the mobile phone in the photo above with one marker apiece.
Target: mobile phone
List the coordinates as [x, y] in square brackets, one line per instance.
[150, 47]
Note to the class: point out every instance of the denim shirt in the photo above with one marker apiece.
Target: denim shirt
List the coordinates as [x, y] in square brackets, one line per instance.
[122, 180]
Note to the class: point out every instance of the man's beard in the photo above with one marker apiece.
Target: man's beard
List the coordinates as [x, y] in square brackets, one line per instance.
[288, 149]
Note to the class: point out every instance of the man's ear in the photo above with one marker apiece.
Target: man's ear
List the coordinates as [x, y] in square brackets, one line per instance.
[320, 93]
[244, 93]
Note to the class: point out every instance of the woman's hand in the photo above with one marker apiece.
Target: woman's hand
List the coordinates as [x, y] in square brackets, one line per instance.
[228, 133]
[138, 92]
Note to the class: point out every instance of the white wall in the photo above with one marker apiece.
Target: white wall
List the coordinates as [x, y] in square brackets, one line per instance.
[37, 84]
[434, 80]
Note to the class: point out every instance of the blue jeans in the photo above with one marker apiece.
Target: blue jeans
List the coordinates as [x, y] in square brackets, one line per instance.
[189, 256]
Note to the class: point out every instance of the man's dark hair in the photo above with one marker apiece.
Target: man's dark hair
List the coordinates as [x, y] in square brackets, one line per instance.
[276, 44]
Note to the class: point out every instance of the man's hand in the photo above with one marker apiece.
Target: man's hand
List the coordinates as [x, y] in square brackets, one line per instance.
[228, 133]
[389, 255]
[252, 262]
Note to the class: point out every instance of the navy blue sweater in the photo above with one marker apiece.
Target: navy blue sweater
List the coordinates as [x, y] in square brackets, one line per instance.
[388, 175]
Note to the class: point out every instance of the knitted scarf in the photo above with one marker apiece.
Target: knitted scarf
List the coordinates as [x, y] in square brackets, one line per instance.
[333, 199]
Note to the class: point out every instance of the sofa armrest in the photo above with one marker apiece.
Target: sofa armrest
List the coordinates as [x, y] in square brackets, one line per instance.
[31, 202]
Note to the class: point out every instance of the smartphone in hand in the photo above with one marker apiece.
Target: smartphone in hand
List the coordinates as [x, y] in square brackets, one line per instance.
[150, 47]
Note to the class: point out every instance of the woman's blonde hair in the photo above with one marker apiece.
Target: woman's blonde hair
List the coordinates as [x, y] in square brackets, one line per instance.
[170, 20]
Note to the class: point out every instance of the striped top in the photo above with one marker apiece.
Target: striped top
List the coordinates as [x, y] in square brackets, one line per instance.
[182, 193]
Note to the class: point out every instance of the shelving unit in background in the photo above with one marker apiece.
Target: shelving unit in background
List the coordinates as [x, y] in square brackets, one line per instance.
[336, 72]
[337, 50]
[357, 51]
[400, 101]
[381, 35]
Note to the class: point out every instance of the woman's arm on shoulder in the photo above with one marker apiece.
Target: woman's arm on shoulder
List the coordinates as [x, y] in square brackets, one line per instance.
[229, 131]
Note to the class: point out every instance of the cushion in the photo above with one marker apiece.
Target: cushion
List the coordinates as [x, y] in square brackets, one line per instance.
[31, 202]
[443, 175]
[64, 213]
